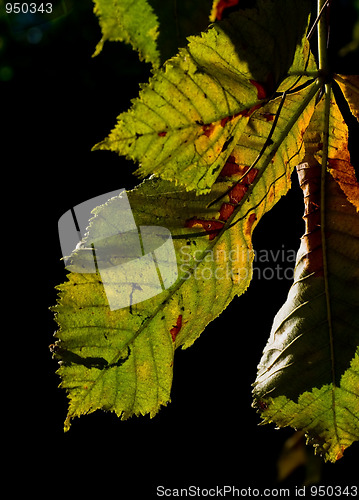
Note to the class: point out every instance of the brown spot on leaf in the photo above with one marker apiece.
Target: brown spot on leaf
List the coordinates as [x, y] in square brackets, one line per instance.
[248, 112]
[212, 227]
[252, 174]
[237, 193]
[225, 120]
[226, 211]
[230, 168]
[230, 118]
[249, 224]
[268, 116]
[162, 134]
[208, 129]
[262, 405]
[176, 328]
[239, 190]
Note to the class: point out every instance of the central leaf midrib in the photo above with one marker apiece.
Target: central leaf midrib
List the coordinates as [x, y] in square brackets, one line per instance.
[323, 212]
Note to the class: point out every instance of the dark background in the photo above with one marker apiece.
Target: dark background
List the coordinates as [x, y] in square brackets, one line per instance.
[57, 102]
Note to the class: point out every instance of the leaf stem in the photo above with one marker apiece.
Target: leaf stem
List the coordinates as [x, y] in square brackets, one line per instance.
[324, 176]
[322, 37]
[323, 67]
[320, 12]
[323, 211]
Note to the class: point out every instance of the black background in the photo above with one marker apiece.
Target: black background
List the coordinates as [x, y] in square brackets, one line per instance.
[59, 102]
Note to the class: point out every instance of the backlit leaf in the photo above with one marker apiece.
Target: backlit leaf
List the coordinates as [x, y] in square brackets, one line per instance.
[130, 22]
[154, 28]
[188, 118]
[122, 360]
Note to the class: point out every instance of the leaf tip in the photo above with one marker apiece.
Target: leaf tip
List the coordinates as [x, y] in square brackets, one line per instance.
[67, 423]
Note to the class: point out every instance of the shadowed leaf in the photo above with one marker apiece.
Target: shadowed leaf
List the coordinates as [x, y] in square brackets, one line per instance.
[316, 332]
[350, 88]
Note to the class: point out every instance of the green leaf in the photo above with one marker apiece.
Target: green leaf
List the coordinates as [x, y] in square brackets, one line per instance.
[189, 117]
[130, 22]
[122, 360]
[308, 376]
[328, 414]
[154, 28]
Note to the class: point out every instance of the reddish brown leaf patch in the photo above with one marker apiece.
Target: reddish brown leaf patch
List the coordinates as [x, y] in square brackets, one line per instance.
[268, 116]
[310, 182]
[262, 405]
[230, 168]
[249, 224]
[162, 134]
[239, 190]
[222, 6]
[248, 112]
[226, 211]
[225, 120]
[176, 328]
[261, 91]
[230, 118]
[341, 200]
[237, 193]
[212, 227]
[252, 174]
[208, 129]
